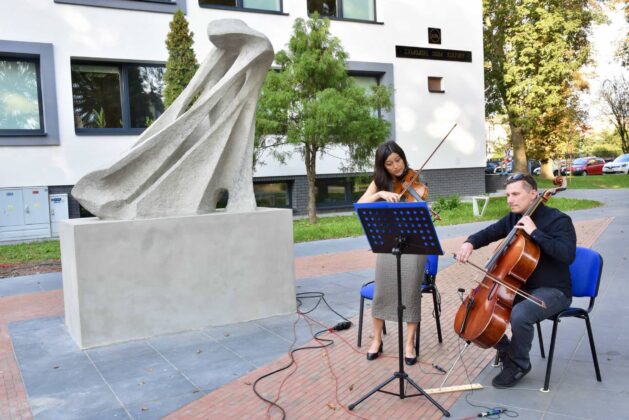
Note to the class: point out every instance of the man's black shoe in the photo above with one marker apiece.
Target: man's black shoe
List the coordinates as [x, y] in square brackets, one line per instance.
[510, 375]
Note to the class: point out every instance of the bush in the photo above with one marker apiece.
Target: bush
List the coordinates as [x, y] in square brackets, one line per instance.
[450, 202]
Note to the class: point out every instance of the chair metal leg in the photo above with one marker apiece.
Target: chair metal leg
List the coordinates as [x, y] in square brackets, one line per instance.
[417, 332]
[360, 321]
[384, 327]
[541, 340]
[593, 348]
[437, 314]
[551, 352]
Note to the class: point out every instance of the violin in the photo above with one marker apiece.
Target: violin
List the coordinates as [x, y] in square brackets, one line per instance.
[484, 314]
[410, 188]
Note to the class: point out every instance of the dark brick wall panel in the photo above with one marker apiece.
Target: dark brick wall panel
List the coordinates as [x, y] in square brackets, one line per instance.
[494, 182]
[463, 181]
[442, 182]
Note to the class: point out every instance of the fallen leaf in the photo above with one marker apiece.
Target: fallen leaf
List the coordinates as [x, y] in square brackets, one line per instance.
[351, 387]
[331, 406]
[199, 351]
[145, 409]
[55, 367]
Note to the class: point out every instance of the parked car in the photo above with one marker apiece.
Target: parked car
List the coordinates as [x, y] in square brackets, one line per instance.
[620, 165]
[507, 170]
[587, 166]
[563, 170]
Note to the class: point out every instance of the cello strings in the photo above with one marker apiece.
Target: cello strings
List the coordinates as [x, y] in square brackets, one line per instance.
[522, 293]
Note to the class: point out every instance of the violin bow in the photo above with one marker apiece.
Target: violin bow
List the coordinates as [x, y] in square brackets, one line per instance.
[525, 295]
[408, 185]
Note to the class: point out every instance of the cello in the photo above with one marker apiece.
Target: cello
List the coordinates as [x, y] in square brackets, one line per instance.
[484, 314]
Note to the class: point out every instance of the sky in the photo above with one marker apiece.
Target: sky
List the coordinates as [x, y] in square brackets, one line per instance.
[605, 39]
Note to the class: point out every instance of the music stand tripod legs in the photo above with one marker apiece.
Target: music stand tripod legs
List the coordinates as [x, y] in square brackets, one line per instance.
[400, 374]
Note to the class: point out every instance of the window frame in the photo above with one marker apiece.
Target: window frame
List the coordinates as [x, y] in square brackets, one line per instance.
[439, 80]
[339, 11]
[48, 134]
[19, 132]
[240, 8]
[384, 73]
[125, 102]
[159, 6]
[289, 195]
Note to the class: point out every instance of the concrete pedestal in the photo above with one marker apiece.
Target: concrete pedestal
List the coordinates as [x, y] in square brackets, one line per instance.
[132, 279]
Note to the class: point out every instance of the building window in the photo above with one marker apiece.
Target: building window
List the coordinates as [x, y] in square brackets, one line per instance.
[161, 6]
[248, 5]
[116, 98]
[361, 10]
[366, 82]
[435, 84]
[272, 194]
[21, 111]
[28, 99]
[370, 73]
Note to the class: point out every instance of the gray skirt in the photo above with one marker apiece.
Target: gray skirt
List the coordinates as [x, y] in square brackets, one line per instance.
[385, 298]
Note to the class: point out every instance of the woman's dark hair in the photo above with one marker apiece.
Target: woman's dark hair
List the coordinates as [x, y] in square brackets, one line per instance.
[381, 177]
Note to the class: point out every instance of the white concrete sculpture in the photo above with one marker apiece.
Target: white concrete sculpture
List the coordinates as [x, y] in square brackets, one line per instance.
[184, 161]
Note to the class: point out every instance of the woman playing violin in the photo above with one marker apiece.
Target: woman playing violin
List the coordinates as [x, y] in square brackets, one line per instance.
[550, 282]
[390, 169]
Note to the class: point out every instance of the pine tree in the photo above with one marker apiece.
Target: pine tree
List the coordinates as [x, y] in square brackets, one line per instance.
[182, 62]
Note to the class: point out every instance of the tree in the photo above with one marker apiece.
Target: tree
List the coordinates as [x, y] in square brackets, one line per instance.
[182, 63]
[615, 95]
[533, 52]
[313, 104]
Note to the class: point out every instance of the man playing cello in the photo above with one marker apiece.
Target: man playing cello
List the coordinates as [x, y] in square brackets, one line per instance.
[550, 282]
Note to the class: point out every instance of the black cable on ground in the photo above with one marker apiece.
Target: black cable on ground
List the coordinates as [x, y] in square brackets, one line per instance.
[328, 342]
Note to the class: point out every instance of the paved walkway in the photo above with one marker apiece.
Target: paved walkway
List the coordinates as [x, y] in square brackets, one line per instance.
[209, 373]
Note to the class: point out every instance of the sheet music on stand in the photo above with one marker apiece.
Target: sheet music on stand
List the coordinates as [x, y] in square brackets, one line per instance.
[385, 222]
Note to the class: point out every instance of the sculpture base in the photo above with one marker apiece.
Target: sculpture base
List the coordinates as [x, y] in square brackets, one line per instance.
[132, 279]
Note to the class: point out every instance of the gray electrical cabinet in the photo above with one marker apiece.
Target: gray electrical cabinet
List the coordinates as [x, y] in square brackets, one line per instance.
[58, 211]
[24, 213]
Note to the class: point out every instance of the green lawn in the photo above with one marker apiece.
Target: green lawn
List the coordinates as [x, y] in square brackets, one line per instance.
[590, 182]
[345, 226]
[29, 252]
[326, 228]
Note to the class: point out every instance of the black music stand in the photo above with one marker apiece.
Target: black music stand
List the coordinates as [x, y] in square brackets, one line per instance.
[399, 228]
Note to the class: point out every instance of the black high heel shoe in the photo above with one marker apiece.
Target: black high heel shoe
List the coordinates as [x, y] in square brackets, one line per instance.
[374, 356]
[410, 361]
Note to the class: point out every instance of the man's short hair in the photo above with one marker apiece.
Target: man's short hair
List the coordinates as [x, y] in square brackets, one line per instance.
[529, 181]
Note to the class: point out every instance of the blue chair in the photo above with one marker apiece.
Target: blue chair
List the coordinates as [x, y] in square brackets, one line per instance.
[428, 286]
[585, 272]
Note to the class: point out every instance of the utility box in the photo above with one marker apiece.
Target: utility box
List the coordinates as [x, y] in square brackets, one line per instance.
[58, 211]
[24, 213]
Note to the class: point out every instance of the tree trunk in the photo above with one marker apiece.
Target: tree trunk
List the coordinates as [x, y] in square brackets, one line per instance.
[519, 150]
[311, 174]
[547, 169]
[624, 139]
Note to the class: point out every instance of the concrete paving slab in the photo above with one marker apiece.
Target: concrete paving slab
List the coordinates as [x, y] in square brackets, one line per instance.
[158, 408]
[30, 284]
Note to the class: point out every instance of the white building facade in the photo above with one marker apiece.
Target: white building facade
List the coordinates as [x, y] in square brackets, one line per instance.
[80, 79]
